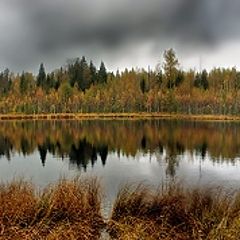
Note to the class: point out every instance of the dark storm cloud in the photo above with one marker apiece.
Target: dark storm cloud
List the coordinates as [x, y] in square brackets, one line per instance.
[35, 30]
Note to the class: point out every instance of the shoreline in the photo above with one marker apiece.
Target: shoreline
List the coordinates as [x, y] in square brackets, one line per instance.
[117, 116]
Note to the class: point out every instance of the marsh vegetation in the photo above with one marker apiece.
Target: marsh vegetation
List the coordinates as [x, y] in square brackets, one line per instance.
[72, 209]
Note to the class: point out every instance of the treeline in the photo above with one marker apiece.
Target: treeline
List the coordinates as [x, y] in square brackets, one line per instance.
[81, 87]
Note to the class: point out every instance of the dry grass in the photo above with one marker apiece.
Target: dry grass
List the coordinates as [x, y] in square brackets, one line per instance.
[69, 210]
[175, 214]
[72, 210]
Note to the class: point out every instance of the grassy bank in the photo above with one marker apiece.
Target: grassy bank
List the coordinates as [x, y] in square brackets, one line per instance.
[174, 213]
[86, 116]
[72, 210]
[69, 210]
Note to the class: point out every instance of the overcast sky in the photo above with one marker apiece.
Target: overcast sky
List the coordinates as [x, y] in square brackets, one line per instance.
[126, 33]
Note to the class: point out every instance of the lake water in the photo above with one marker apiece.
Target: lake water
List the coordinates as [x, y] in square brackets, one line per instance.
[150, 151]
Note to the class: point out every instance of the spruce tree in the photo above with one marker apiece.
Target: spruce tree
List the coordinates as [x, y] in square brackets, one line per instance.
[41, 78]
[5, 81]
[143, 85]
[93, 73]
[50, 81]
[201, 80]
[23, 84]
[74, 72]
[204, 77]
[83, 76]
[102, 74]
[179, 78]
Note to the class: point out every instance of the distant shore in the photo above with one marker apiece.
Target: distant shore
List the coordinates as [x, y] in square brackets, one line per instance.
[109, 116]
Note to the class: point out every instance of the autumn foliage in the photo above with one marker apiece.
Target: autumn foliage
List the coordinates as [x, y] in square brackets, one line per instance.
[80, 87]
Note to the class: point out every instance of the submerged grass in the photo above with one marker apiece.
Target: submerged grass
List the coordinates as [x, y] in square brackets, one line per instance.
[71, 209]
[68, 210]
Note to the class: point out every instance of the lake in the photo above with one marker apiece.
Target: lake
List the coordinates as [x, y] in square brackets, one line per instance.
[122, 151]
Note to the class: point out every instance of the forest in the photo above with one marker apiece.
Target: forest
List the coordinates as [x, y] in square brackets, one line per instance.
[81, 87]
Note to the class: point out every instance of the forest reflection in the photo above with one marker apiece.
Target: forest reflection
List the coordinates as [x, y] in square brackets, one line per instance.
[86, 142]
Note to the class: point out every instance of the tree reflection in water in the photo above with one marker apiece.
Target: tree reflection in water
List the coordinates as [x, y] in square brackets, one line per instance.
[86, 142]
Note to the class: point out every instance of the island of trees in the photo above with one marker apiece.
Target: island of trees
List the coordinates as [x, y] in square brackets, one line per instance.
[81, 87]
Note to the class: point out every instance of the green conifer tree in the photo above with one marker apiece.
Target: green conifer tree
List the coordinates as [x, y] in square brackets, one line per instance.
[41, 78]
[102, 74]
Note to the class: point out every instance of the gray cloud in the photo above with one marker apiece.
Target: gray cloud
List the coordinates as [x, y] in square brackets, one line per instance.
[49, 31]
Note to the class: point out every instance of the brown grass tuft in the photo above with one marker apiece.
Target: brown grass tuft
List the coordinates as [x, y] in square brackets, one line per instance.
[174, 214]
[69, 210]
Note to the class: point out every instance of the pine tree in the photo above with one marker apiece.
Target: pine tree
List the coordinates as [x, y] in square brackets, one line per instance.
[50, 81]
[179, 78]
[204, 77]
[5, 81]
[74, 72]
[102, 74]
[85, 75]
[201, 80]
[143, 85]
[23, 84]
[93, 73]
[41, 78]
[57, 84]
[197, 81]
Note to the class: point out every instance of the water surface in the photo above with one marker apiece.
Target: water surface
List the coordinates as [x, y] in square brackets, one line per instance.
[150, 151]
